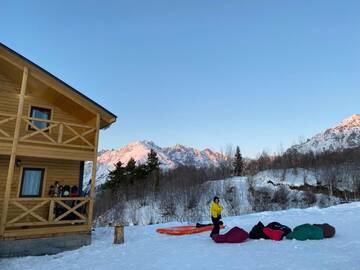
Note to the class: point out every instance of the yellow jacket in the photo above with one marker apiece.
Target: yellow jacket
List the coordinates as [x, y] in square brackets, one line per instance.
[215, 209]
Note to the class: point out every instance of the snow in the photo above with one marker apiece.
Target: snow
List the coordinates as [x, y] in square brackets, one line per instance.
[145, 249]
[234, 193]
[291, 177]
[342, 136]
[169, 157]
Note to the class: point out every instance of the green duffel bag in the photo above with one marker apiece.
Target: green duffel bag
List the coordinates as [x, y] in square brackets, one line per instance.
[306, 232]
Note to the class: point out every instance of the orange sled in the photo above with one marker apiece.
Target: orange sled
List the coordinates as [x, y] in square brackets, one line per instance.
[182, 230]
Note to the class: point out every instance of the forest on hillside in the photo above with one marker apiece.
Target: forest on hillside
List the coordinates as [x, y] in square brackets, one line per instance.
[337, 173]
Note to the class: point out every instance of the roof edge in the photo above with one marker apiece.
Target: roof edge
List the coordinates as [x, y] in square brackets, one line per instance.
[59, 80]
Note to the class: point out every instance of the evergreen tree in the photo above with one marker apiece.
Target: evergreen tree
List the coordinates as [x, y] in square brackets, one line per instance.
[131, 170]
[131, 166]
[116, 177]
[153, 166]
[238, 162]
[141, 171]
[153, 163]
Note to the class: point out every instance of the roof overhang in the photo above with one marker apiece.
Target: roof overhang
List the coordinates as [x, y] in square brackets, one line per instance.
[19, 61]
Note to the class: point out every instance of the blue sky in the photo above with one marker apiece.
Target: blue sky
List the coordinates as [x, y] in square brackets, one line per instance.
[200, 73]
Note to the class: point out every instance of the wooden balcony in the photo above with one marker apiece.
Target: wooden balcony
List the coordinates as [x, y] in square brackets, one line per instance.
[55, 140]
[46, 216]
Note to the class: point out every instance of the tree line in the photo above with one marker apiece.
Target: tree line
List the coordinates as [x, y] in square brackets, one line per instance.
[292, 159]
[147, 182]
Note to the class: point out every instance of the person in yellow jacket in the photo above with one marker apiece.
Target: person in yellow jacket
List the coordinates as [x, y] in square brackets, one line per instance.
[215, 211]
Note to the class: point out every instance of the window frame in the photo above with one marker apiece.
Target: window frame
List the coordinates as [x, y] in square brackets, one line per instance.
[42, 181]
[39, 107]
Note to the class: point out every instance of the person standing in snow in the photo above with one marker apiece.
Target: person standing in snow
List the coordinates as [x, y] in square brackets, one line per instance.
[215, 211]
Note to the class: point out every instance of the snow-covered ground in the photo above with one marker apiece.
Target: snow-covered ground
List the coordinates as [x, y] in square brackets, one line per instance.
[145, 249]
[290, 177]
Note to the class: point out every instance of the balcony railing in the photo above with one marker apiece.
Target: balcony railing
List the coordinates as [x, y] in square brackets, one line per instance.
[34, 212]
[54, 133]
[7, 126]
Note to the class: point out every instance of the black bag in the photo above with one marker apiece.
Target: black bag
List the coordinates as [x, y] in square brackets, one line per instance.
[257, 232]
[277, 226]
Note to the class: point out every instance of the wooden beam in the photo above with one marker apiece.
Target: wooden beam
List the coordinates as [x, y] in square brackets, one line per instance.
[93, 173]
[80, 136]
[51, 210]
[71, 210]
[25, 233]
[27, 211]
[10, 174]
[39, 131]
[47, 151]
[47, 223]
[61, 132]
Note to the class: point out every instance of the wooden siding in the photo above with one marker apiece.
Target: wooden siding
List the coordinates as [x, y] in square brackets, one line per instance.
[69, 138]
[9, 103]
[9, 99]
[65, 171]
[66, 125]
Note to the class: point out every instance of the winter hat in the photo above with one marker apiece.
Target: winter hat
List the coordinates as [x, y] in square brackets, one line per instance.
[216, 198]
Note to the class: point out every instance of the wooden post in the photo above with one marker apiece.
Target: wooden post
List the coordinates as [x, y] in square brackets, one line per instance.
[93, 173]
[61, 131]
[118, 234]
[51, 210]
[13, 151]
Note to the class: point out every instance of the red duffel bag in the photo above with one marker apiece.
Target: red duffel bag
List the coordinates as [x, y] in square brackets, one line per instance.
[234, 235]
[273, 234]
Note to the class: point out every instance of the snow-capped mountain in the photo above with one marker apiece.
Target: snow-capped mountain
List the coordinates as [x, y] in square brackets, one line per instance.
[343, 136]
[169, 157]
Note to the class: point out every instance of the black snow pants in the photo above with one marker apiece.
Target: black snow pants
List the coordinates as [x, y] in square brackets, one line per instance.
[216, 229]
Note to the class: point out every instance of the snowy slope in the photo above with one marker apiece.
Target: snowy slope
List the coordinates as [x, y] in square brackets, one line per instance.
[343, 136]
[234, 194]
[169, 157]
[289, 177]
[145, 249]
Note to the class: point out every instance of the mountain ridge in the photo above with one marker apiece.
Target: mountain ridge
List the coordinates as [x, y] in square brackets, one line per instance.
[344, 135]
[170, 157]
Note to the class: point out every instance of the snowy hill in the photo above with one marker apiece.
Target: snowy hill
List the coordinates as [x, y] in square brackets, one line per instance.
[169, 157]
[343, 136]
[146, 249]
[235, 195]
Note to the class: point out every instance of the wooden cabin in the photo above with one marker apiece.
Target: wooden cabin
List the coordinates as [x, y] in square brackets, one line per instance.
[47, 131]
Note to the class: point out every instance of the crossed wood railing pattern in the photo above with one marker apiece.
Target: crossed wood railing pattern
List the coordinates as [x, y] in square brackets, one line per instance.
[54, 133]
[44, 211]
[6, 133]
[77, 138]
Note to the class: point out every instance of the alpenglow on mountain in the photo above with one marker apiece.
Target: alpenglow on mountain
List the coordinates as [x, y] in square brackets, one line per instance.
[169, 157]
[343, 136]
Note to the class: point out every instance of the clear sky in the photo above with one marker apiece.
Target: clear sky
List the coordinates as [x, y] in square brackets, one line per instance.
[200, 73]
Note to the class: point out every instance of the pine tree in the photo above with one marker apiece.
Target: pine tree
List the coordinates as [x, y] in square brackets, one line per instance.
[153, 163]
[131, 170]
[238, 163]
[153, 166]
[131, 166]
[116, 177]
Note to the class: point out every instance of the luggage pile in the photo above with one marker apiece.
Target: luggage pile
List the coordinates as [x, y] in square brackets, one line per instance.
[277, 231]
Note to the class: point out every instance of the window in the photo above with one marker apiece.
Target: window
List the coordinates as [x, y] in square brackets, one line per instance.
[31, 182]
[40, 113]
